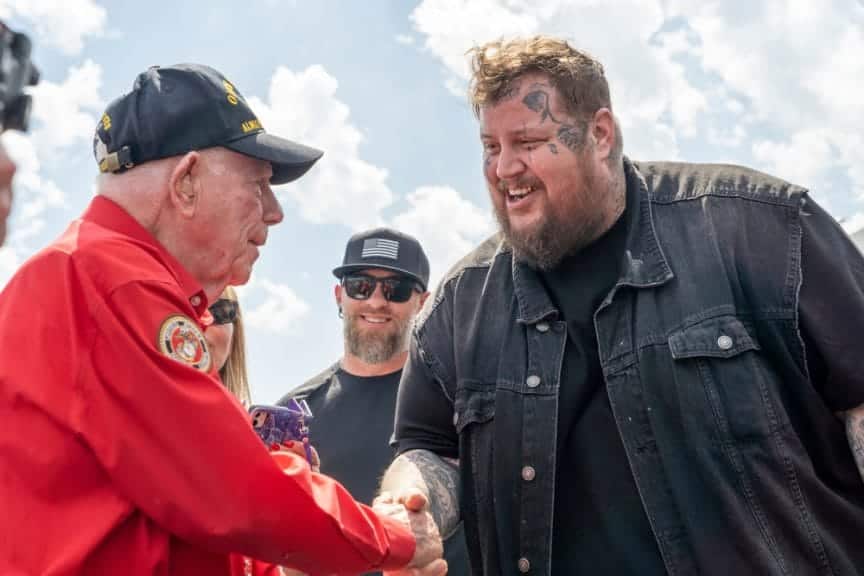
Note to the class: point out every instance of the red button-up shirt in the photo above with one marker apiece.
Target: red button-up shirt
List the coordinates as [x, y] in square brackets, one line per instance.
[120, 451]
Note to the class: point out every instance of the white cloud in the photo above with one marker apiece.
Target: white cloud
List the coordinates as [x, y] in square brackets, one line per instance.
[797, 66]
[61, 23]
[803, 159]
[342, 187]
[65, 113]
[447, 225]
[280, 311]
[34, 194]
[855, 225]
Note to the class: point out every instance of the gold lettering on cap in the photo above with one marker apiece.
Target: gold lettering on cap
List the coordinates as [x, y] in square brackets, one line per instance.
[231, 93]
[106, 122]
[251, 126]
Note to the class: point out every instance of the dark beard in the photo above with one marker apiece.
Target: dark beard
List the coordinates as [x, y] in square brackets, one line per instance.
[560, 234]
[375, 348]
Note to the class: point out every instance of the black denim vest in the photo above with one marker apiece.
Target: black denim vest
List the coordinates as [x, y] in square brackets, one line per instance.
[698, 342]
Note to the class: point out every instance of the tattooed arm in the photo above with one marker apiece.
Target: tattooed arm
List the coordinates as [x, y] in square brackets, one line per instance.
[855, 433]
[435, 477]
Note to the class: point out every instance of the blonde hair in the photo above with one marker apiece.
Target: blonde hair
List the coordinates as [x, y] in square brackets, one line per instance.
[233, 373]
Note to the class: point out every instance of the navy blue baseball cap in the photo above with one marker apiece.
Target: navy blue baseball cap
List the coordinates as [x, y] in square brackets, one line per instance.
[172, 110]
[387, 249]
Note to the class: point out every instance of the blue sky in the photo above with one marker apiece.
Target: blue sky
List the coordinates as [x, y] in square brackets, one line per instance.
[774, 84]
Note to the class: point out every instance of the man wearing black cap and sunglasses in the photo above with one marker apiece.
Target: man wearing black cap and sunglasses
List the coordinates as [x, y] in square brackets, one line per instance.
[383, 282]
[121, 452]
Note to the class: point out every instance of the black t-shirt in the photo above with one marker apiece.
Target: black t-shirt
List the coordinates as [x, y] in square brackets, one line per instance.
[600, 526]
[351, 426]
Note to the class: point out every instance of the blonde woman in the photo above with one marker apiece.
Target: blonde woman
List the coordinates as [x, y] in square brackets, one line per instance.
[227, 343]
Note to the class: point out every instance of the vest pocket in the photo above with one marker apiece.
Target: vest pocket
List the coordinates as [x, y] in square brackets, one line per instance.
[722, 357]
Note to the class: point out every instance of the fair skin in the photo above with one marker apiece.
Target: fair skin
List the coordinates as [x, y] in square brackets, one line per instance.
[210, 209]
[219, 338]
[548, 174]
[7, 172]
[377, 318]
[854, 420]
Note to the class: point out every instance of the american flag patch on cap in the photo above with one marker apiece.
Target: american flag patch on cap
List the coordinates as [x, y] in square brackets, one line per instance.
[380, 248]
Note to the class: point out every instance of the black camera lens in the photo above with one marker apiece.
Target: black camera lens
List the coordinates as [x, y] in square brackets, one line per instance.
[16, 116]
[21, 46]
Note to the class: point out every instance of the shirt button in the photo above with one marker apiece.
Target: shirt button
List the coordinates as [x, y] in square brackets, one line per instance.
[724, 342]
[528, 473]
[524, 565]
[195, 300]
[533, 381]
[542, 327]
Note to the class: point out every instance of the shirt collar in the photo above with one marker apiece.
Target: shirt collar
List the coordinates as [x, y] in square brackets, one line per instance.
[108, 214]
[644, 263]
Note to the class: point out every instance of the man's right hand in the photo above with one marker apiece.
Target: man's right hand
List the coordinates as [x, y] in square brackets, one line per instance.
[412, 509]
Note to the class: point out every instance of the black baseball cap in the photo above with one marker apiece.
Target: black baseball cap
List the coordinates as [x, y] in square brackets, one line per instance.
[387, 249]
[172, 110]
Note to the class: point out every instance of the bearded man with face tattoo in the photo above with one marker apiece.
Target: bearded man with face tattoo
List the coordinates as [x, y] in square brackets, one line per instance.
[653, 369]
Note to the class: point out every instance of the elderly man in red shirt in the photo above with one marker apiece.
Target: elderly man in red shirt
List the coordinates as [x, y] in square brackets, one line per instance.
[120, 452]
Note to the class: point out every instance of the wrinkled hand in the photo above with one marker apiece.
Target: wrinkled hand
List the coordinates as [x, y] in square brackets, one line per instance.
[411, 508]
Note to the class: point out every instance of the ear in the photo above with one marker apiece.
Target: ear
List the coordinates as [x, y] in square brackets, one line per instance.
[423, 298]
[184, 186]
[603, 133]
[337, 293]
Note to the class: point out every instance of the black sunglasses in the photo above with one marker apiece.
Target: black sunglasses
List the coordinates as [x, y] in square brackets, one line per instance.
[394, 288]
[224, 311]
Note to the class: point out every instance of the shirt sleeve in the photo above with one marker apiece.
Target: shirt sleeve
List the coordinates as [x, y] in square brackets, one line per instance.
[424, 413]
[831, 307]
[177, 445]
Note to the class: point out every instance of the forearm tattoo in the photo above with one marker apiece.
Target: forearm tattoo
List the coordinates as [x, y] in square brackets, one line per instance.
[438, 478]
[855, 435]
[571, 135]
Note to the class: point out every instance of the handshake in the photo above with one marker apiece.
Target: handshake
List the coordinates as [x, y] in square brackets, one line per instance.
[411, 507]
[286, 427]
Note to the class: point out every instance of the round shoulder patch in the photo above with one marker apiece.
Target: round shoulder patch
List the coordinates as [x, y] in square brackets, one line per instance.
[181, 339]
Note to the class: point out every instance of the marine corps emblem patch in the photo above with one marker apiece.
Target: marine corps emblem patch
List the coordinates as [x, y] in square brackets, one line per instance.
[181, 339]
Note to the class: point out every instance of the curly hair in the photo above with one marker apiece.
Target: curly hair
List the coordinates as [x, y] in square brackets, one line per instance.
[498, 66]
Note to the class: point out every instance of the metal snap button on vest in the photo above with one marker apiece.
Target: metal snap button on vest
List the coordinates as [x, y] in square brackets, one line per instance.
[524, 565]
[533, 381]
[195, 300]
[724, 342]
[542, 327]
[528, 473]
